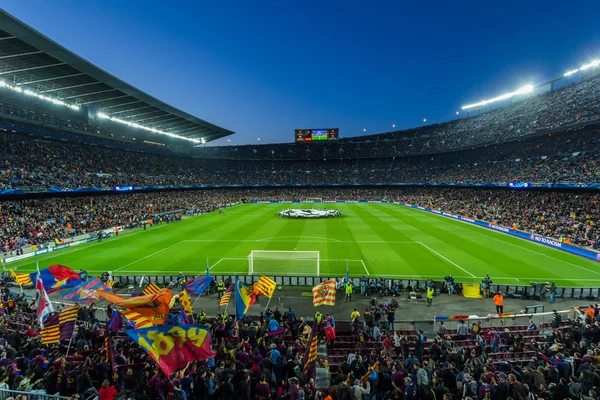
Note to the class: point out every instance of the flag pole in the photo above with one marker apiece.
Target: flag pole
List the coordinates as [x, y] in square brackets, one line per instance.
[268, 302]
[71, 339]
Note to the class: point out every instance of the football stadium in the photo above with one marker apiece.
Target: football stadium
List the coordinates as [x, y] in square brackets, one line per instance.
[145, 256]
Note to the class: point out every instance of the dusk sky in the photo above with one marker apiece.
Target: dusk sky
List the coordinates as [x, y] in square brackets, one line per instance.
[264, 68]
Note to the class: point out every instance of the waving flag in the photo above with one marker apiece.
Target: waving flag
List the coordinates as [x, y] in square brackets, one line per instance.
[244, 298]
[265, 286]
[198, 285]
[137, 320]
[43, 306]
[309, 361]
[86, 293]
[172, 347]
[115, 323]
[186, 303]
[324, 293]
[21, 279]
[154, 306]
[59, 326]
[184, 319]
[56, 277]
[225, 298]
[151, 288]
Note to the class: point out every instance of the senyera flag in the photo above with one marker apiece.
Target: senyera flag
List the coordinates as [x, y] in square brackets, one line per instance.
[265, 286]
[172, 347]
[324, 293]
[56, 277]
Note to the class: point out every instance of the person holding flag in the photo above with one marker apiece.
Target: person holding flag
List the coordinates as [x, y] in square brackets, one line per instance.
[43, 306]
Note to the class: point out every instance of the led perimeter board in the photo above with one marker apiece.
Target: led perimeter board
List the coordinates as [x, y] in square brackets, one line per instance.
[317, 135]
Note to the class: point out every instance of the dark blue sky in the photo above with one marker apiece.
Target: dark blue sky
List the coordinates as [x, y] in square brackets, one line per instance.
[263, 68]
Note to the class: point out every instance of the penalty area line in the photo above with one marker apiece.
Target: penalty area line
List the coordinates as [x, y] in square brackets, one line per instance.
[148, 256]
[447, 259]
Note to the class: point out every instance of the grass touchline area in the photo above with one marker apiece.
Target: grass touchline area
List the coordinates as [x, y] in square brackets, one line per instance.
[378, 240]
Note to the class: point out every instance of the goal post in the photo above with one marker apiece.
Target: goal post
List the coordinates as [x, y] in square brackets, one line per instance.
[284, 262]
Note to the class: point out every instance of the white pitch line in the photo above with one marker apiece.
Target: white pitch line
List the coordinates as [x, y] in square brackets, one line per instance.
[148, 256]
[227, 258]
[447, 259]
[463, 225]
[278, 239]
[365, 267]
[298, 241]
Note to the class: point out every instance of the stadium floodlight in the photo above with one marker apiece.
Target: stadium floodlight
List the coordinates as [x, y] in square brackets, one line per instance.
[524, 90]
[31, 93]
[147, 128]
[592, 64]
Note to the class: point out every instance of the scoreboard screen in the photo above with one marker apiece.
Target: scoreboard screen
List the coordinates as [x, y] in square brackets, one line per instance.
[315, 135]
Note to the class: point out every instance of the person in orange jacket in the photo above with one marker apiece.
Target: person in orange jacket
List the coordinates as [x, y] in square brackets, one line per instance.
[499, 301]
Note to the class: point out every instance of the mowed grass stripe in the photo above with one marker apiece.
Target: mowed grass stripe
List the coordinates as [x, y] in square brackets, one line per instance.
[478, 256]
[414, 259]
[458, 249]
[367, 231]
[508, 256]
[341, 229]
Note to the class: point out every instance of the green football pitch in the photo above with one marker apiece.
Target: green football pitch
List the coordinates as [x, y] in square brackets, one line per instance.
[375, 240]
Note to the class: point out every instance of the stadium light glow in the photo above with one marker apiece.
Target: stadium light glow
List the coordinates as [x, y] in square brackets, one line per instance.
[524, 90]
[28, 92]
[592, 64]
[147, 128]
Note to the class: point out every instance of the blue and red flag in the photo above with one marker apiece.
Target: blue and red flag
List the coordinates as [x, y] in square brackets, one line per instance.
[56, 277]
[184, 319]
[172, 347]
[86, 292]
[198, 285]
[115, 324]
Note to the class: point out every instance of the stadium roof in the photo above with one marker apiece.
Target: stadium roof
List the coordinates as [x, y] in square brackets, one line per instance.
[31, 61]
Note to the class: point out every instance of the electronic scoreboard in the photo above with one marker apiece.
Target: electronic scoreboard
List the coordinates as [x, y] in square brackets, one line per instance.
[317, 135]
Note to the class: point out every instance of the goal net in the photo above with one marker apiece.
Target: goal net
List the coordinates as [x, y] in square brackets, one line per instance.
[283, 262]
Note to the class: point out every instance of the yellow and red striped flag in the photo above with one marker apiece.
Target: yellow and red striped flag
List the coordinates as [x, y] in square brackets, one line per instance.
[226, 297]
[137, 320]
[324, 293]
[21, 279]
[309, 361]
[151, 288]
[265, 286]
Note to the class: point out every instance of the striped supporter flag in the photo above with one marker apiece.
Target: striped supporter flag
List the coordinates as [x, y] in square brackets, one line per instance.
[265, 286]
[324, 293]
[21, 279]
[151, 288]
[60, 326]
[137, 320]
[309, 361]
[226, 297]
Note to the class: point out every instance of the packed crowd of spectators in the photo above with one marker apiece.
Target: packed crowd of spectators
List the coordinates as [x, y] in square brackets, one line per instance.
[249, 364]
[575, 104]
[29, 162]
[36, 221]
[525, 141]
[260, 357]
